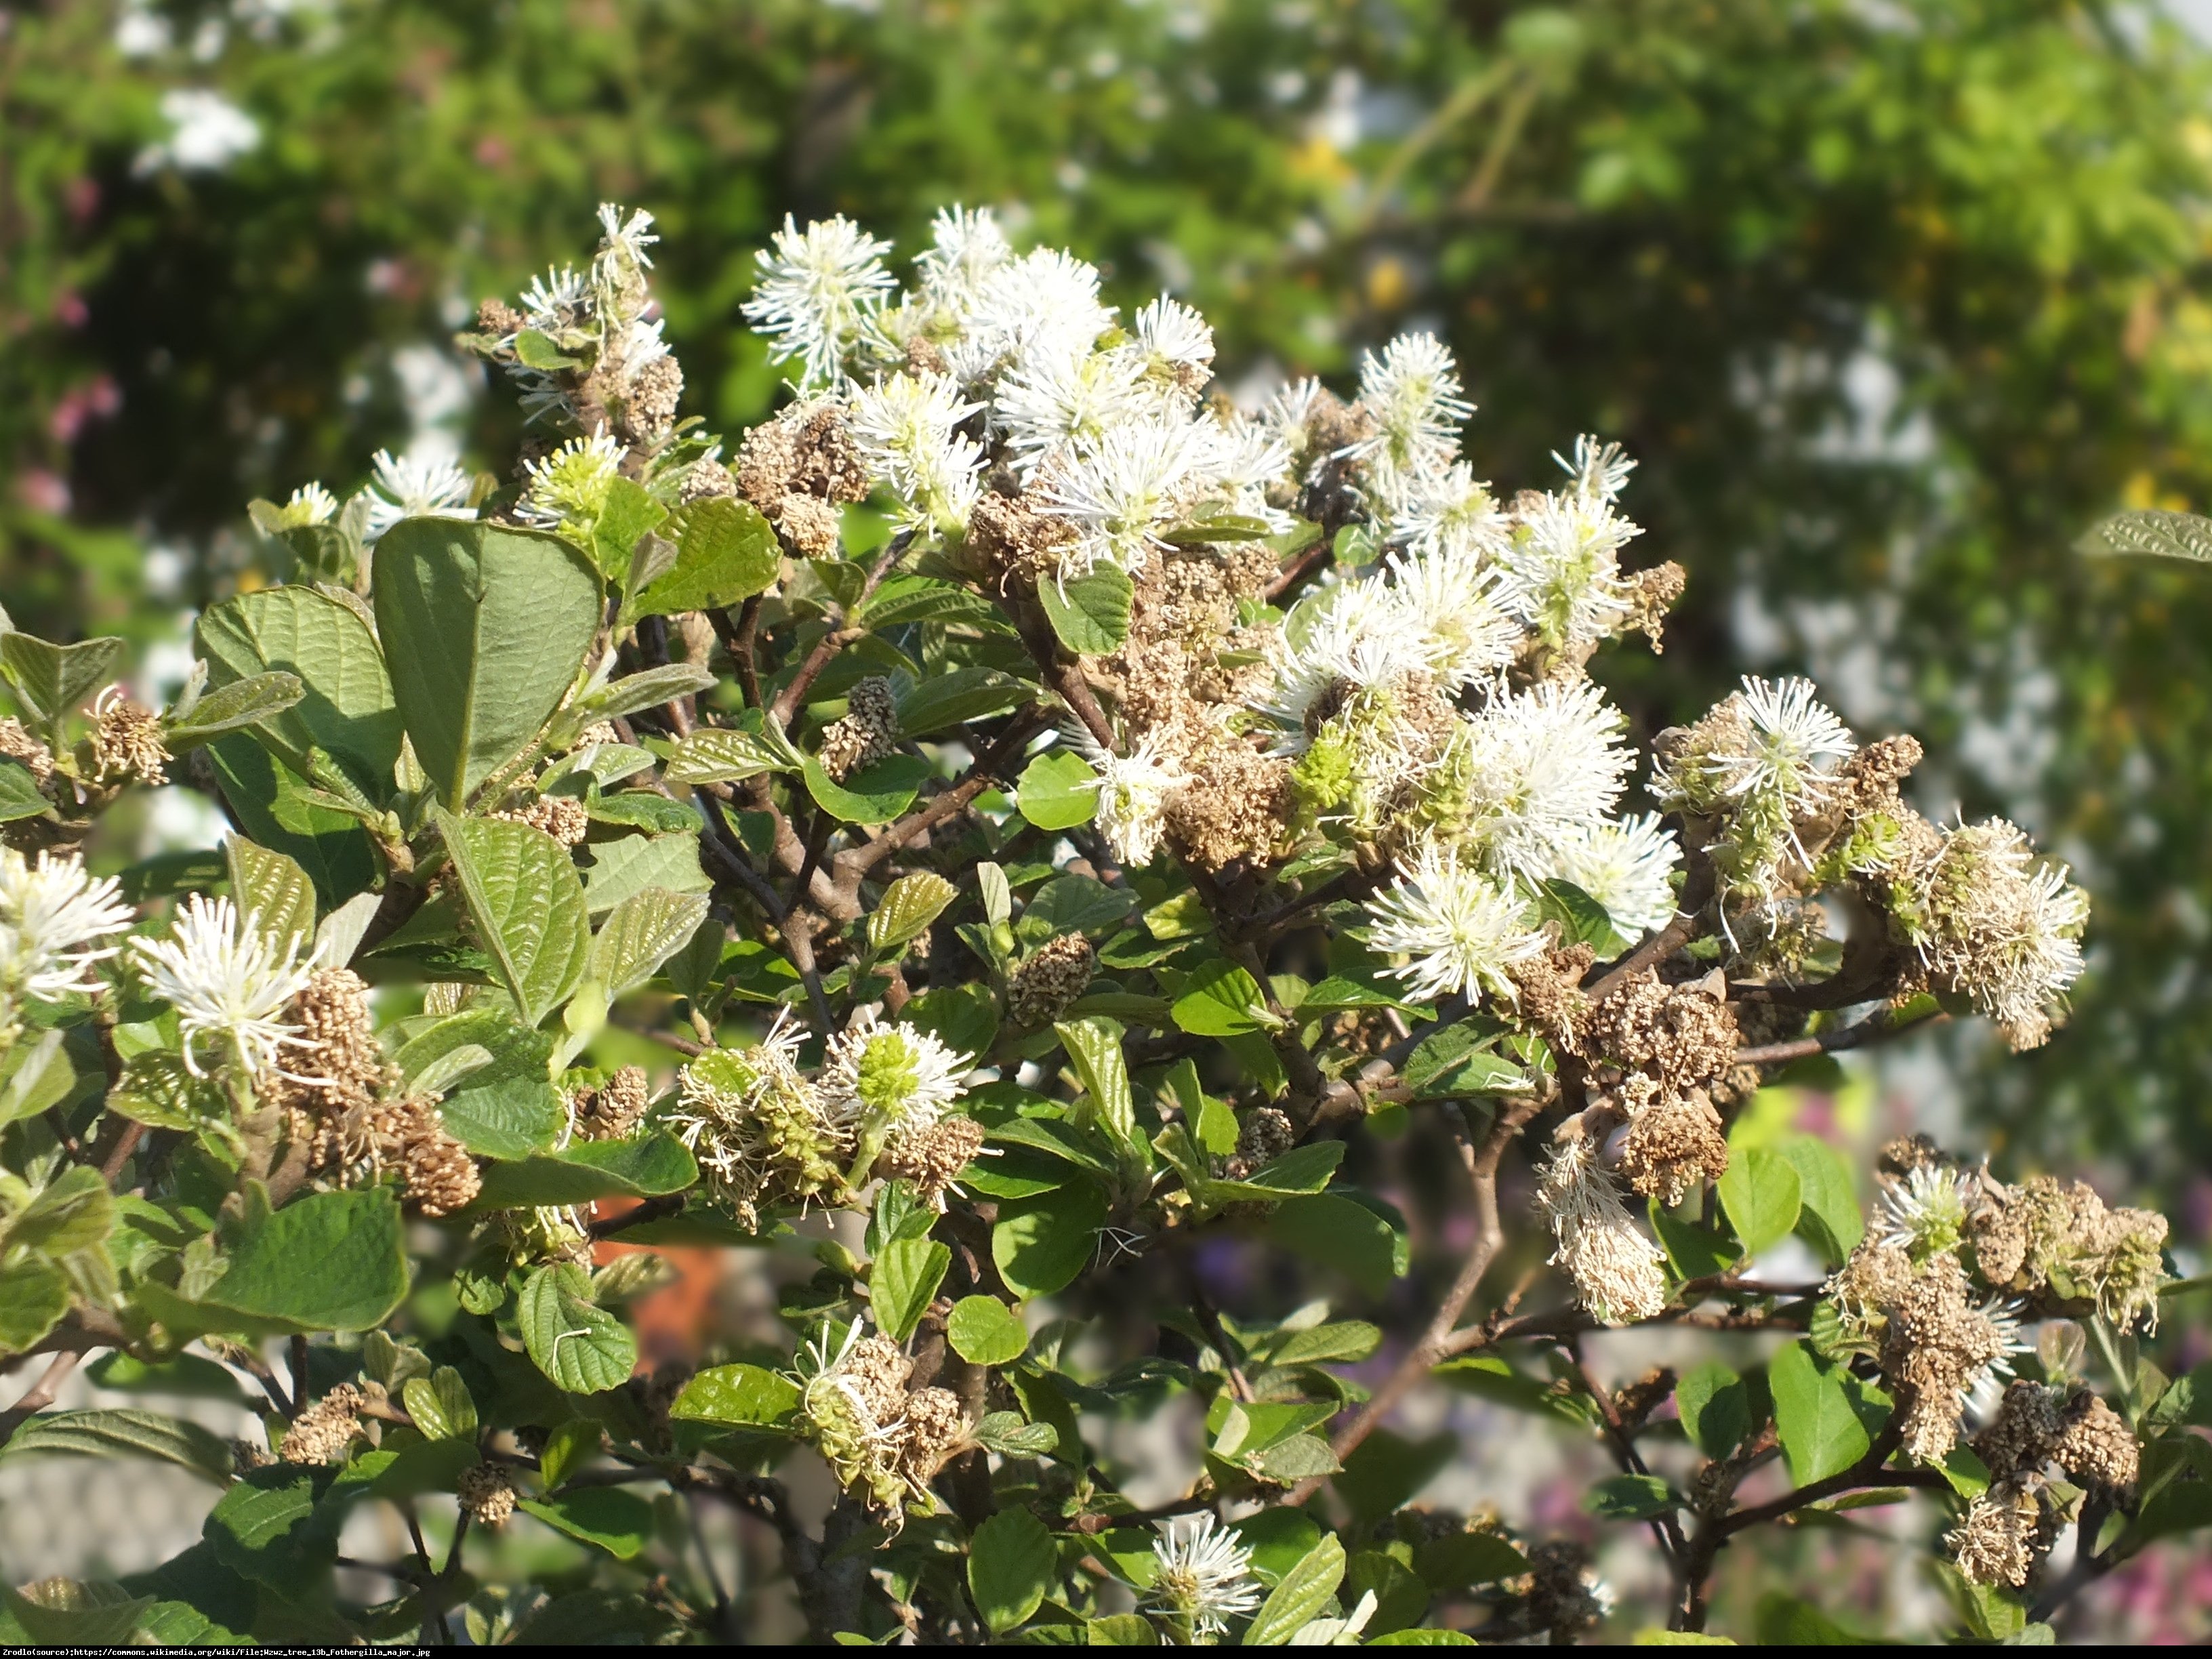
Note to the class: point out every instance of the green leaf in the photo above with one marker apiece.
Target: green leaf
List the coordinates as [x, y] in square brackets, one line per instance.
[488, 626]
[70, 1615]
[907, 908]
[273, 1529]
[1279, 1539]
[36, 1075]
[723, 755]
[1073, 904]
[241, 703]
[568, 1446]
[506, 1109]
[645, 1166]
[1401, 1599]
[877, 795]
[1302, 1169]
[1305, 1589]
[281, 811]
[628, 516]
[631, 864]
[582, 1348]
[1121, 1629]
[1820, 1429]
[72, 1212]
[536, 349]
[53, 679]
[1091, 612]
[725, 551]
[1335, 1231]
[1058, 791]
[1715, 1406]
[740, 1396]
[1760, 1192]
[1422, 1638]
[959, 698]
[1040, 1244]
[614, 1519]
[1460, 1559]
[1012, 1563]
[19, 792]
[641, 932]
[1783, 1622]
[528, 904]
[330, 1261]
[272, 891]
[127, 1434]
[648, 688]
[1386, 1471]
[1692, 1251]
[984, 1331]
[1094, 1047]
[903, 1281]
[1828, 1217]
[1630, 1498]
[348, 712]
[1582, 918]
[2153, 530]
[34, 1294]
[1221, 999]
[441, 1404]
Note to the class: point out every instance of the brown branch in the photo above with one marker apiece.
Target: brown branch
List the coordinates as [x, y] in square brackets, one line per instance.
[988, 770]
[40, 1396]
[738, 639]
[1697, 893]
[1482, 1163]
[1875, 1029]
[787, 700]
[1664, 1528]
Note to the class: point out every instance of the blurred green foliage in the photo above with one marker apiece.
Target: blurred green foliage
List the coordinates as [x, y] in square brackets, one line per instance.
[1891, 300]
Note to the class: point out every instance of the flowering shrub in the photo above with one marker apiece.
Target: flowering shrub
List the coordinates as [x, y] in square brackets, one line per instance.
[1036, 875]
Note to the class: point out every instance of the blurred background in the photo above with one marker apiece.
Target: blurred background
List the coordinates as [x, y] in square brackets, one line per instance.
[1892, 299]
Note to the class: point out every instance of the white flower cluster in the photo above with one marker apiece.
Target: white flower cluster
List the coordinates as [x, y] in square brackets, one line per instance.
[993, 355]
[55, 923]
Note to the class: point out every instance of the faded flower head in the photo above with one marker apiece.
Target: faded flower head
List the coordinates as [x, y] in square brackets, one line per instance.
[229, 980]
[762, 1131]
[1618, 1273]
[1205, 1576]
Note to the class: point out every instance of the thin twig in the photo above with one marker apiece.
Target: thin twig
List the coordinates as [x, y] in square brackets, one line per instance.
[1876, 1029]
[40, 1396]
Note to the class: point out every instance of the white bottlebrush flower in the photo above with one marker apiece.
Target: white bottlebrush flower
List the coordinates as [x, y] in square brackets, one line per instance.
[1133, 790]
[1045, 303]
[1413, 391]
[406, 487]
[55, 923]
[891, 1077]
[1460, 930]
[228, 982]
[309, 504]
[1534, 770]
[1122, 491]
[1625, 866]
[1447, 598]
[1600, 470]
[1337, 642]
[1561, 569]
[560, 299]
[966, 246]
[816, 291]
[1172, 348]
[1795, 744]
[571, 485]
[1450, 512]
[627, 234]
[1053, 401]
[1204, 1577]
[1924, 1213]
[1618, 1273]
[907, 430]
[208, 132]
[1249, 460]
